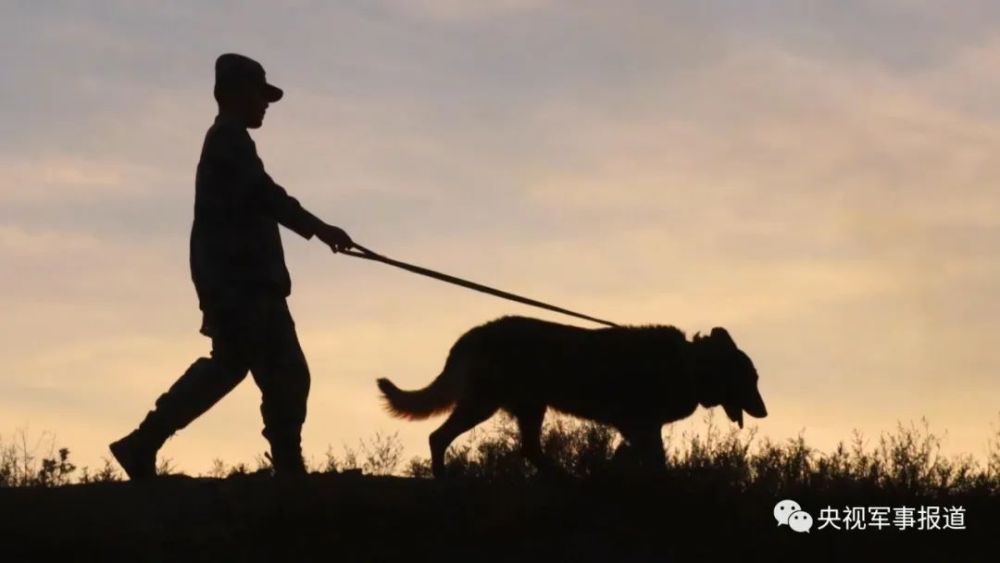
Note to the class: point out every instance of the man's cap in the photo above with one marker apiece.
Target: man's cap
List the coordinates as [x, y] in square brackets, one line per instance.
[234, 72]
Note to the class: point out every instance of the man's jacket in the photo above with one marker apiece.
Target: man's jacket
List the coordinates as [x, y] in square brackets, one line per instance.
[236, 251]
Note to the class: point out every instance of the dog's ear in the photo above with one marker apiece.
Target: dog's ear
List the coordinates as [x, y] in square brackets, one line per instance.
[721, 336]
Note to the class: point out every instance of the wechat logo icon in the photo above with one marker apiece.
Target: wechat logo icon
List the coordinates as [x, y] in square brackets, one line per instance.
[789, 513]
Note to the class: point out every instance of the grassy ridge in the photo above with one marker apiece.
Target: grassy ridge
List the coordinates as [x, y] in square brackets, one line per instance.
[713, 502]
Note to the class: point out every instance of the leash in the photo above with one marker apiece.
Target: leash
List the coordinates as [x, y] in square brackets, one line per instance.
[369, 255]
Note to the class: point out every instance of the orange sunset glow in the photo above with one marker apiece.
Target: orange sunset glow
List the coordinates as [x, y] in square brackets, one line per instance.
[824, 187]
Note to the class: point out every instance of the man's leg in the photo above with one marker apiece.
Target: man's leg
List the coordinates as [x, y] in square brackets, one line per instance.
[204, 383]
[280, 370]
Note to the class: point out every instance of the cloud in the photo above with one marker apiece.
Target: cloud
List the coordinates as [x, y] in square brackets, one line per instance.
[457, 11]
[70, 179]
[17, 242]
[800, 156]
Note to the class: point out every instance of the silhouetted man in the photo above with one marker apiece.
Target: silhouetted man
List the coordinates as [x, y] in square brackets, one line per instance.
[239, 273]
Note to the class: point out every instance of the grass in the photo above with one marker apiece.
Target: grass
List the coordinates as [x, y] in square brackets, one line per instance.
[369, 503]
[907, 461]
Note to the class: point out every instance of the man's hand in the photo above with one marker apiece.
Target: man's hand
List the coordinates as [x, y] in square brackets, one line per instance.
[335, 238]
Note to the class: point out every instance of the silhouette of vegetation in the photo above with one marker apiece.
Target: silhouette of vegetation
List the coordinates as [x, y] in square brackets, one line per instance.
[366, 504]
[26, 463]
[583, 448]
[107, 473]
[220, 470]
[379, 455]
[907, 462]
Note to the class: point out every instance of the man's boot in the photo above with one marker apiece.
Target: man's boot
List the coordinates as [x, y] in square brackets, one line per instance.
[287, 464]
[136, 453]
[286, 459]
[200, 387]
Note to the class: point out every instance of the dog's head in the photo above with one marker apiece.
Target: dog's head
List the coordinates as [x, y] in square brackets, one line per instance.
[727, 377]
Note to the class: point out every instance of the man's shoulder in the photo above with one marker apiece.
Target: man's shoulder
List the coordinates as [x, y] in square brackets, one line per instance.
[223, 130]
[227, 138]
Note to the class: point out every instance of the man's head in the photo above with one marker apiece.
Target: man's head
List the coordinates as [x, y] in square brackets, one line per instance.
[242, 90]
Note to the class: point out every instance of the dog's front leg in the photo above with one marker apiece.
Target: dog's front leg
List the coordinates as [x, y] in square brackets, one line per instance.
[643, 447]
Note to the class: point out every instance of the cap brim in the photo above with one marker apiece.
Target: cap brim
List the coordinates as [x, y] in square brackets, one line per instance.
[272, 92]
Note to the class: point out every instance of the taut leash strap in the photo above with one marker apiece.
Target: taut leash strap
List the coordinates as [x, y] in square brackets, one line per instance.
[369, 255]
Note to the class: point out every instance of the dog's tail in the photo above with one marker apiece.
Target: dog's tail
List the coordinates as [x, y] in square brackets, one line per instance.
[436, 398]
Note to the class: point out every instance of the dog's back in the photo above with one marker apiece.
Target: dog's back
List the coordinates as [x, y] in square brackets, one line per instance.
[602, 374]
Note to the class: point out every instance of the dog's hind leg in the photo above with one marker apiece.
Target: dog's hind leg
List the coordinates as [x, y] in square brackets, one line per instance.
[529, 423]
[467, 414]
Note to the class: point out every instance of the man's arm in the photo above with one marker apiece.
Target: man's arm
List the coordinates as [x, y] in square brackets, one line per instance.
[275, 201]
[290, 213]
[287, 210]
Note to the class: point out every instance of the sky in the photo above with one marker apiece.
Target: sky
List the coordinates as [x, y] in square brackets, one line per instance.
[819, 177]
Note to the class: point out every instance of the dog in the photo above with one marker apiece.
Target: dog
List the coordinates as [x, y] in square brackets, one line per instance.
[634, 378]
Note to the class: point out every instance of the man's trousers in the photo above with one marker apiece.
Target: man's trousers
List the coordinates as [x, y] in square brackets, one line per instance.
[258, 337]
